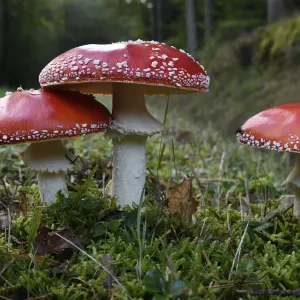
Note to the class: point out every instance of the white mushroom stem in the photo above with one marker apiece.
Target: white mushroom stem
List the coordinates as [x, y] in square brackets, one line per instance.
[293, 181]
[133, 125]
[50, 184]
[51, 160]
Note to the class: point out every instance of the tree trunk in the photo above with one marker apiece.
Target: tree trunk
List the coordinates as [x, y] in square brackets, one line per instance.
[157, 20]
[4, 39]
[190, 26]
[208, 18]
[276, 10]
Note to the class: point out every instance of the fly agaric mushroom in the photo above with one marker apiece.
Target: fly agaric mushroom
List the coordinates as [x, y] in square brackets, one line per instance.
[277, 129]
[128, 71]
[43, 119]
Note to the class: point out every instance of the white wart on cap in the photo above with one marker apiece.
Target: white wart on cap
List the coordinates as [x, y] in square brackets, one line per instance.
[162, 69]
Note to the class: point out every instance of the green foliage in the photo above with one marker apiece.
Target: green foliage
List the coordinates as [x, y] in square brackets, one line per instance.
[34, 225]
[281, 39]
[147, 250]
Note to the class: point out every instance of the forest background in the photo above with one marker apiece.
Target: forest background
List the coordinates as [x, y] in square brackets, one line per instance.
[244, 53]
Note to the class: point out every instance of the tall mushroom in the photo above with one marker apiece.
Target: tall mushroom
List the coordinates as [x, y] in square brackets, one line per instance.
[277, 129]
[128, 71]
[43, 119]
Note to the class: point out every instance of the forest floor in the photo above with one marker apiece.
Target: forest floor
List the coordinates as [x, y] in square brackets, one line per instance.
[241, 240]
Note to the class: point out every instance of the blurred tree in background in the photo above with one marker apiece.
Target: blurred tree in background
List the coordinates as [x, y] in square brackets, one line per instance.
[32, 32]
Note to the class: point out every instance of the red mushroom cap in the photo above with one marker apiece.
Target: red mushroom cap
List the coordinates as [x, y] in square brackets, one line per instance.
[32, 116]
[161, 68]
[276, 128]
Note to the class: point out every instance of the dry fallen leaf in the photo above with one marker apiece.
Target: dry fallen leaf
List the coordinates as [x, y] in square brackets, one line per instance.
[108, 189]
[181, 201]
[23, 202]
[47, 242]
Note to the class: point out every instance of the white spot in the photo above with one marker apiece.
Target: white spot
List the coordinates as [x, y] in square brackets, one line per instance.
[154, 64]
[87, 60]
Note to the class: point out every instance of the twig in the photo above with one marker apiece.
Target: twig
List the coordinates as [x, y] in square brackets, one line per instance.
[238, 251]
[93, 259]
[5, 188]
[11, 285]
[202, 228]
[220, 176]
[271, 292]
[241, 207]
[103, 185]
[228, 221]
[217, 180]
[247, 191]
[40, 297]
[9, 224]
[9, 229]
[232, 284]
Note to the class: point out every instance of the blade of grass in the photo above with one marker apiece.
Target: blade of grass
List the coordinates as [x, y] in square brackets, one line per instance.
[141, 239]
[174, 158]
[34, 225]
[161, 145]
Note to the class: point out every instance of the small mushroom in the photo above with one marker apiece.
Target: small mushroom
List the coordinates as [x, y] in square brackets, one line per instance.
[277, 129]
[128, 71]
[43, 119]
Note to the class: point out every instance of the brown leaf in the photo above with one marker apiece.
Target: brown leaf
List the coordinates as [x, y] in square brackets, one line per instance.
[181, 201]
[108, 189]
[47, 242]
[23, 202]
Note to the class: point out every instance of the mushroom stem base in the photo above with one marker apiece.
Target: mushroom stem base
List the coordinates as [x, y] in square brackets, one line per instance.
[293, 181]
[51, 160]
[50, 184]
[129, 169]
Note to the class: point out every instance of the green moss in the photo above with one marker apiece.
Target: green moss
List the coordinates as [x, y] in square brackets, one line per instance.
[191, 262]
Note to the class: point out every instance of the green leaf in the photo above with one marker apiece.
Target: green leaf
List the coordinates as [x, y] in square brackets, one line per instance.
[153, 282]
[100, 229]
[246, 264]
[34, 225]
[114, 225]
